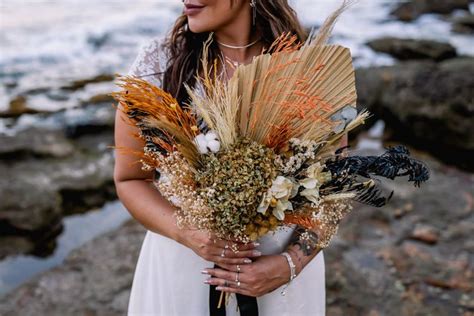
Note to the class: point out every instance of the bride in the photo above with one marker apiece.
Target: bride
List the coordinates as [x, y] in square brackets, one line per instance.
[176, 267]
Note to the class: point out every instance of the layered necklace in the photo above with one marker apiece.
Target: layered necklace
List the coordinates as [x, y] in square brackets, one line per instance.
[234, 62]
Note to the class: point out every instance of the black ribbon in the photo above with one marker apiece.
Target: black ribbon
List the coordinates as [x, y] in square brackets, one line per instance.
[247, 304]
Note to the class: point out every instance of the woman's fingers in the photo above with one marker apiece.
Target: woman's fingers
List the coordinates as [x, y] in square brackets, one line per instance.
[232, 261]
[227, 275]
[230, 286]
[228, 253]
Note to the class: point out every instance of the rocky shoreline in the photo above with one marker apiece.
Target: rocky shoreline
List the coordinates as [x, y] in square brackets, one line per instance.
[53, 170]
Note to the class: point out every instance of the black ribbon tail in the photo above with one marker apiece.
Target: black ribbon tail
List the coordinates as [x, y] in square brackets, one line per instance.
[214, 296]
[247, 304]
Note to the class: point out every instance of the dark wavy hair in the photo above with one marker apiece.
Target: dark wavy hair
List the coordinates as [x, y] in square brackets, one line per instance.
[184, 47]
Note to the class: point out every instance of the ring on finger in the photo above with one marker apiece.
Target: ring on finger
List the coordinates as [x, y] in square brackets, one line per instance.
[223, 253]
[237, 277]
[238, 268]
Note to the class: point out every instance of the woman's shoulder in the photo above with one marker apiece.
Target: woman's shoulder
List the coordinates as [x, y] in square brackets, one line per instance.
[151, 60]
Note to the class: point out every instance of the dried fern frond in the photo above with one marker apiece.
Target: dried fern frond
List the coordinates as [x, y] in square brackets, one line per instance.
[158, 116]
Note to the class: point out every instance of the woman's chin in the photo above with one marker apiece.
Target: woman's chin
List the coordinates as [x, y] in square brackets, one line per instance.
[198, 27]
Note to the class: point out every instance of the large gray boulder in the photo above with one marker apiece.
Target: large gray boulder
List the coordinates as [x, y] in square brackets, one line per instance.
[428, 105]
[464, 24]
[46, 176]
[406, 49]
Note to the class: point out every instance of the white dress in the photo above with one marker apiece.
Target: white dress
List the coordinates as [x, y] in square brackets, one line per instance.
[168, 279]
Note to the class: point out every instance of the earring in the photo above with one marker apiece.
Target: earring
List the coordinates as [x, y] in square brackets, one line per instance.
[253, 4]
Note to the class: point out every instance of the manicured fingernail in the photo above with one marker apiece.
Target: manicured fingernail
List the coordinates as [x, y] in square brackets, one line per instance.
[256, 253]
[219, 288]
[208, 281]
[256, 244]
[247, 261]
[205, 272]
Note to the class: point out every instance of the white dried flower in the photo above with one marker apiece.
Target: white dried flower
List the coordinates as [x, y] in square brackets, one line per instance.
[207, 142]
[282, 190]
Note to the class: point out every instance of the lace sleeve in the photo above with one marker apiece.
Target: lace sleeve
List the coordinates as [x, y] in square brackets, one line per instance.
[150, 63]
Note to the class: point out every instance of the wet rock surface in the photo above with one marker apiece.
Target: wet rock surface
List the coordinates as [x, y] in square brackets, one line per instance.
[59, 164]
[426, 104]
[411, 10]
[412, 257]
[94, 279]
[406, 49]
[464, 24]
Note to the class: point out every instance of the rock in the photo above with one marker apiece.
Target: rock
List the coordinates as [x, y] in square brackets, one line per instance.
[100, 98]
[390, 273]
[18, 106]
[94, 279]
[464, 24]
[425, 104]
[89, 120]
[35, 142]
[425, 234]
[79, 84]
[404, 49]
[54, 178]
[27, 203]
[408, 11]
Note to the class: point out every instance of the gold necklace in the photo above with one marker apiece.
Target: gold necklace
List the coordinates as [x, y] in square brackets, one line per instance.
[237, 47]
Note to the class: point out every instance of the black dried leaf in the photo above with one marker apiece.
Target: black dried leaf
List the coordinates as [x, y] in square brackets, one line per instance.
[394, 162]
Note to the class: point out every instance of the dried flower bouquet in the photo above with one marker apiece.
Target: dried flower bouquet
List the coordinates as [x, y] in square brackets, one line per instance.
[269, 155]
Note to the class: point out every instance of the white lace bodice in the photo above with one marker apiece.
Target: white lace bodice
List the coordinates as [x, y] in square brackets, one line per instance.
[151, 61]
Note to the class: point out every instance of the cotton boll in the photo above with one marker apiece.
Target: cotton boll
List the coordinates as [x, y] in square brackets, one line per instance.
[211, 136]
[202, 149]
[214, 145]
[201, 143]
[201, 138]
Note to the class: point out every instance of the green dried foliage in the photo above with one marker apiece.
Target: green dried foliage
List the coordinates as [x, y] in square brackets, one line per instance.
[233, 182]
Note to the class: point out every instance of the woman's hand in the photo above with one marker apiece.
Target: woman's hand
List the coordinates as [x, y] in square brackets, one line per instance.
[264, 275]
[217, 250]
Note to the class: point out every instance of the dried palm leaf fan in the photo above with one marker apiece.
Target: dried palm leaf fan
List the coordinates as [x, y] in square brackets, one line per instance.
[292, 92]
